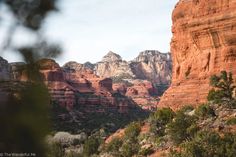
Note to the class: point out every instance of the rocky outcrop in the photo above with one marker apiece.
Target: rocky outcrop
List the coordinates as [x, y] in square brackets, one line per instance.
[144, 94]
[71, 86]
[141, 79]
[93, 92]
[150, 65]
[203, 44]
[53, 76]
[141, 92]
[153, 66]
[5, 70]
[112, 65]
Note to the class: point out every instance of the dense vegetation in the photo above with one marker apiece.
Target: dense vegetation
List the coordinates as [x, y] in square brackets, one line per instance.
[205, 131]
[81, 120]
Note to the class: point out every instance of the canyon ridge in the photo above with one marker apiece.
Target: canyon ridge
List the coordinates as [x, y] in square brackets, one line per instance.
[108, 85]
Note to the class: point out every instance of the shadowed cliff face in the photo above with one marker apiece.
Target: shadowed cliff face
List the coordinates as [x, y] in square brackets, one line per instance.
[203, 44]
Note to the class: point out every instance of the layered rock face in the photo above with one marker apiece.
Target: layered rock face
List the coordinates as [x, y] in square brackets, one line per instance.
[153, 66]
[142, 79]
[54, 78]
[143, 93]
[112, 65]
[70, 86]
[203, 44]
[93, 92]
[150, 65]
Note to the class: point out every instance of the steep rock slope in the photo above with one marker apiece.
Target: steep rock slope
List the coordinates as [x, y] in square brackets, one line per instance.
[203, 43]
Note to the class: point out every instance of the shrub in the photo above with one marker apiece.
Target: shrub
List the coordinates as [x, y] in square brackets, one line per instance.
[223, 89]
[204, 111]
[91, 146]
[159, 120]
[132, 130]
[186, 108]
[114, 145]
[180, 128]
[128, 149]
[231, 121]
[146, 151]
[208, 144]
[55, 149]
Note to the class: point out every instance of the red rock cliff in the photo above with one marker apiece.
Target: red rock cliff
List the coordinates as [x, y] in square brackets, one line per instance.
[203, 43]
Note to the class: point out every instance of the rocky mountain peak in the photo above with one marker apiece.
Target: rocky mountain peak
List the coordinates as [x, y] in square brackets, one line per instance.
[89, 65]
[72, 65]
[111, 57]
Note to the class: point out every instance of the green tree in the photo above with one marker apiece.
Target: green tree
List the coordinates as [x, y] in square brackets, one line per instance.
[160, 119]
[204, 111]
[91, 146]
[208, 144]
[222, 93]
[132, 131]
[114, 145]
[129, 148]
[55, 149]
[183, 127]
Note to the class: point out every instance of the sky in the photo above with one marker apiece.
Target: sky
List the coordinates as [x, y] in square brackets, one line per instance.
[88, 29]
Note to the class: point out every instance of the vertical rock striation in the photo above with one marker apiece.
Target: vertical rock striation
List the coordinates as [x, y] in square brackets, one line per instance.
[203, 44]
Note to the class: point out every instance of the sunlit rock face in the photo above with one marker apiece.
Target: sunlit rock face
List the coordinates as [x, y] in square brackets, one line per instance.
[143, 93]
[5, 70]
[150, 65]
[203, 44]
[112, 65]
[142, 79]
[93, 93]
[153, 66]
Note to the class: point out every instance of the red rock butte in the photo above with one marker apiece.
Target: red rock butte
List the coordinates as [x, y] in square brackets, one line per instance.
[203, 44]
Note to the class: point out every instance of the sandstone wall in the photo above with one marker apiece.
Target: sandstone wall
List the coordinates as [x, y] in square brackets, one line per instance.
[203, 44]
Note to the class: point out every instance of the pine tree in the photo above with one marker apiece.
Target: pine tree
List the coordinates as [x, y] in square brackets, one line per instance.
[222, 93]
